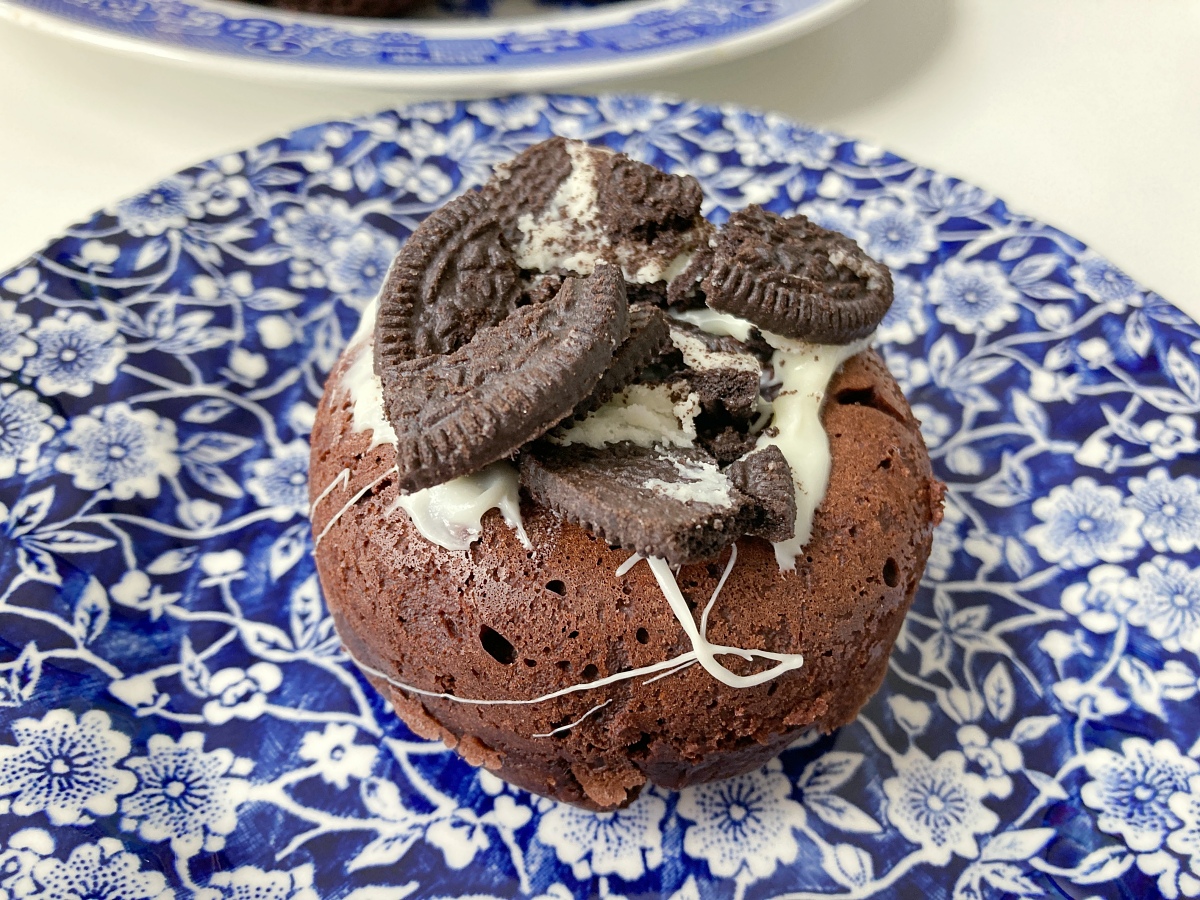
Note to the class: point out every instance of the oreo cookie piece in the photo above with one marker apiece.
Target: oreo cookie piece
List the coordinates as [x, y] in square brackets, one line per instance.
[728, 444]
[673, 503]
[720, 369]
[456, 412]
[639, 202]
[455, 275]
[649, 337]
[564, 205]
[527, 183]
[796, 279]
[765, 476]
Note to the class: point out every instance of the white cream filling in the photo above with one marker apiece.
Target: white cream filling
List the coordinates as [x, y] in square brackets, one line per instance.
[701, 483]
[641, 414]
[716, 323]
[697, 355]
[565, 235]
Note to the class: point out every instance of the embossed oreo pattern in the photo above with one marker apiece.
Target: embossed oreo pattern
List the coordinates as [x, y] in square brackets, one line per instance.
[177, 719]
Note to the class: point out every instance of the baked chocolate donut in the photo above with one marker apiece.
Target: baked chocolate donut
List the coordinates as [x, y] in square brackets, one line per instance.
[580, 650]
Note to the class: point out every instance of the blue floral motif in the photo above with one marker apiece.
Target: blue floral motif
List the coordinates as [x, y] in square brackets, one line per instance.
[1132, 790]
[973, 297]
[74, 353]
[15, 346]
[252, 883]
[1171, 508]
[896, 234]
[282, 480]
[359, 264]
[1085, 523]
[742, 823]
[123, 450]
[185, 795]
[336, 756]
[162, 629]
[103, 869]
[624, 843]
[1165, 599]
[310, 230]
[24, 428]
[65, 767]
[1100, 280]
[168, 205]
[937, 804]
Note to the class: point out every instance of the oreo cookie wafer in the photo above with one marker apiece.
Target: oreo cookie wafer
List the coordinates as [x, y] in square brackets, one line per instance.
[455, 412]
[793, 278]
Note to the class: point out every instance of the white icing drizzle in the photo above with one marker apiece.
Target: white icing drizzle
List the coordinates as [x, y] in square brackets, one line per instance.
[624, 567]
[349, 503]
[718, 323]
[702, 483]
[343, 479]
[702, 652]
[651, 669]
[450, 514]
[642, 414]
[804, 371]
[363, 385]
[564, 728]
[705, 652]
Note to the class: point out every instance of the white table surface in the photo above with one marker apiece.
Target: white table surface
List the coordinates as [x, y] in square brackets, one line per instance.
[1084, 113]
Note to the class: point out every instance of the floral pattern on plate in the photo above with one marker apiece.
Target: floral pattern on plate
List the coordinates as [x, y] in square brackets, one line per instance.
[179, 719]
[547, 42]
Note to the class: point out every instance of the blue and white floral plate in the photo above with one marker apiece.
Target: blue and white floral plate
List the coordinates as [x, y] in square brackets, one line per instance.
[178, 720]
[450, 48]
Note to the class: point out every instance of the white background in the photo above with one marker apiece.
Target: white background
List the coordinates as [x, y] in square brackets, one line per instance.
[1084, 113]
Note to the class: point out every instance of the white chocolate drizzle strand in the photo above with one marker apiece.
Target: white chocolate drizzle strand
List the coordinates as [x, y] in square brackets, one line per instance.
[702, 652]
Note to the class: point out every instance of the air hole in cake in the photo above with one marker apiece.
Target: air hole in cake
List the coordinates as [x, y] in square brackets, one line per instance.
[496, 645]
[573, 635]
[556, 587]
[885, 463]
[771, 690]
[643, 636]
[563, 665]
[868, 396]
[531, 663]
[589, 672]
[857, 397]
[891, 573]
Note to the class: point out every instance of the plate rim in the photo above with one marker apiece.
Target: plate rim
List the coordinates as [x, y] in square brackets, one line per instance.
[429, 81]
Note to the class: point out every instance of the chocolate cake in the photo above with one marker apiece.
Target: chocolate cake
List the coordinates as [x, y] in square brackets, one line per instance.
[603, 495]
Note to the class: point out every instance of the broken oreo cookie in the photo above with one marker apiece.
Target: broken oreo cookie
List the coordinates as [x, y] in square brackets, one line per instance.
[454, 275]
[765, 476]
[668, 502]
[456, 412]
[649, 337]
[793, 278]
